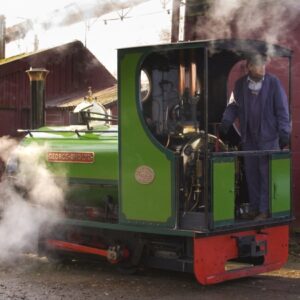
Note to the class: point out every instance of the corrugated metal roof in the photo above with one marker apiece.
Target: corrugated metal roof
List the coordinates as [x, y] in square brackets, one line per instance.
[26, 54]
[13, 58]
[32, 53]
[104, 97]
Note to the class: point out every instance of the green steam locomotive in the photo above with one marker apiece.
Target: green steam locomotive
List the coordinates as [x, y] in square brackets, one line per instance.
[162, 189]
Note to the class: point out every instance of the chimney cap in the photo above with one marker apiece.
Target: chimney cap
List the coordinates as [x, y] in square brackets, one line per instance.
[37, 74]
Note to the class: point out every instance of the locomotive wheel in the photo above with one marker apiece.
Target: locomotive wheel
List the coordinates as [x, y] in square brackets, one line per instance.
[131, 266]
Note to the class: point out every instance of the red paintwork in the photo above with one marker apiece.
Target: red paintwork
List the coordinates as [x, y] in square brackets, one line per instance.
[66, 246]
[212, 253]
[72, 247]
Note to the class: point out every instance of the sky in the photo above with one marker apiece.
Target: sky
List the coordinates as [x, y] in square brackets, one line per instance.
[144, 23]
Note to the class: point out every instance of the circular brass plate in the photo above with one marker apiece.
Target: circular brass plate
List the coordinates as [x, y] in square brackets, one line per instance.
[144, 175]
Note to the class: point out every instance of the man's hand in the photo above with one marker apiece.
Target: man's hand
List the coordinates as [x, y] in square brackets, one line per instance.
[283, 141]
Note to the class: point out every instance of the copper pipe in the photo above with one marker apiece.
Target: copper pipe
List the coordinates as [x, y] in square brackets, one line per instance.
[181, 75]
[193, 74]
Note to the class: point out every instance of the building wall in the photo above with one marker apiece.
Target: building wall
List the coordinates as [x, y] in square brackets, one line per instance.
[57, 117]
[72, 70]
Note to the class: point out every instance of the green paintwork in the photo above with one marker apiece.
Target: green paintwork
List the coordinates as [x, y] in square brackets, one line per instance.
[91, 195]
[104, 145]
[89, 183]
[223, 174]
[280, 185]
[133, 228]
[140, 202]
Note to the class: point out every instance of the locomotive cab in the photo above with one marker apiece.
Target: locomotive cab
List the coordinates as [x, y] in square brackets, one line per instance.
[182, 94]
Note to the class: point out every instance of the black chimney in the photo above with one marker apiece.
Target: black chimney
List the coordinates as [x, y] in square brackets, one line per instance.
[2, 37]
[37, 78]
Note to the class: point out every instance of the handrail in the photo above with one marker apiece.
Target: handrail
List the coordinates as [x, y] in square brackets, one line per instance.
[249, 153]
[30, 131]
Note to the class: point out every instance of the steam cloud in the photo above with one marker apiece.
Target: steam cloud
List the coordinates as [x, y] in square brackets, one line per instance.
[268, 20]
[81, 11]
[29, 201]
[76, 12]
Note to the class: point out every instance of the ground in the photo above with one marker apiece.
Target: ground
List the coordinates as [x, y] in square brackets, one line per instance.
[31, 277]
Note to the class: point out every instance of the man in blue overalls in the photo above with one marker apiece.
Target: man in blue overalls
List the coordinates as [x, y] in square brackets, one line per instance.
[261, 105]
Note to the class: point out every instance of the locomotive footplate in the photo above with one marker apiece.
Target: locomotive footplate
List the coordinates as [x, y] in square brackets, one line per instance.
[251, 251]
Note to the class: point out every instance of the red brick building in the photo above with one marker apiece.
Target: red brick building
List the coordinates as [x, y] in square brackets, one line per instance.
[73, 68]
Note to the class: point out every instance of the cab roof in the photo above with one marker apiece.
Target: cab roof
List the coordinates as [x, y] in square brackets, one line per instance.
[242, 47]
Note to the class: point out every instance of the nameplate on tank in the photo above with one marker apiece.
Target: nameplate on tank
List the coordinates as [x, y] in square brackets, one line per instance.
[71, 157]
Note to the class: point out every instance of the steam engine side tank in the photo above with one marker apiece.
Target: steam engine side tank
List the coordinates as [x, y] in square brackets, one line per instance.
[166, 191]
[89, 160]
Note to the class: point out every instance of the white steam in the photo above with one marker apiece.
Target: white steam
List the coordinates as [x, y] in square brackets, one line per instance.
[80, 11]
[30, 199]
[7, 145]
[76, 11]
[268, 20]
